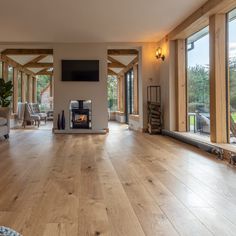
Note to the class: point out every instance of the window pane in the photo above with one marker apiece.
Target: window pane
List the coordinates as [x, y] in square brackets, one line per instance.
[1, 64]
[198, 82]
[10, 78]
[10, 73]
[43, 92]
[232, 73]
[112, 89]
[19, 87]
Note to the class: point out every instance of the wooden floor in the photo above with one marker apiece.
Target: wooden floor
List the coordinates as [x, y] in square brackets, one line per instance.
[123, 184]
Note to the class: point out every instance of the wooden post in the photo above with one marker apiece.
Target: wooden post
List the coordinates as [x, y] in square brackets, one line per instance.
[181, 85]
[50, 86]
[135, 70]
[30, 89]
[23, 87]
[1, 65]
[118, 97]
[5, 71]
[218, 78]
[34, 90]
[15, 90]
[121, 93]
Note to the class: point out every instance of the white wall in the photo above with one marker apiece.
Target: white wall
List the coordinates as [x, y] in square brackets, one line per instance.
[97, 91]
[168, 84]
[149, 76]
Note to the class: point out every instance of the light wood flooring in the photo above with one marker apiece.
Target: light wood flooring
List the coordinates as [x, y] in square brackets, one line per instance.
[122, 184]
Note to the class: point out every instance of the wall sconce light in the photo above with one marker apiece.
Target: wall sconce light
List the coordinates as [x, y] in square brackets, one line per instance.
[159, 54]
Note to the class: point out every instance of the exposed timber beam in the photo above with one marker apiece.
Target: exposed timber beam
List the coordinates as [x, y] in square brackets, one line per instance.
[119, 52]
[111, 59]
[129, 66]
[44, 72]
[27, 52]
[39, 65]
[115, 65]
[200, 18]
[37, 59]
[15, 64]
[111, 72]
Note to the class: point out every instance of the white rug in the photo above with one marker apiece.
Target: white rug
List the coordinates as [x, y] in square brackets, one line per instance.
[4, 231]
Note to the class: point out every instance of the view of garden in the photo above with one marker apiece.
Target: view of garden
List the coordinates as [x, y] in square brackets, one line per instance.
[112, 92]
[198, 84]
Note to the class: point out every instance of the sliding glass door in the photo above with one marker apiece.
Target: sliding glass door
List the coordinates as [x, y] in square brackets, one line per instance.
[232, 74]
[198, 85]
[129, 94]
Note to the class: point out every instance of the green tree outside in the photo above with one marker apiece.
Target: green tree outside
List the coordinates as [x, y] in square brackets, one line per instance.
[112, 93]
[42, 83]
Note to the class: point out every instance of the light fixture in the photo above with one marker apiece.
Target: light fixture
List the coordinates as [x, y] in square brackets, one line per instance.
[159, 54]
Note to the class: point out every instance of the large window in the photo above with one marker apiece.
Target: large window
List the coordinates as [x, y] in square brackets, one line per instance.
[129, 93]
[10, 73]
[232, 72]
[10, 78]
[198, 91]
[44, 92]
[112, 89]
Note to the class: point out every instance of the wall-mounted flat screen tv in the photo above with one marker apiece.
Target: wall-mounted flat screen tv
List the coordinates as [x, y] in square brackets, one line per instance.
[80, 70]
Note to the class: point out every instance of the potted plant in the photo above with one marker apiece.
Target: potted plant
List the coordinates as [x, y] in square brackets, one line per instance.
[6, 91]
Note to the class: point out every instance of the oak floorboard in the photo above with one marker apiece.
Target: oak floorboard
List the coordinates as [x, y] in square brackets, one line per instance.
[123, 183]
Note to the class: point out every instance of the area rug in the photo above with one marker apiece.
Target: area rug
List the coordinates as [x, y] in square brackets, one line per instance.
[4, 231]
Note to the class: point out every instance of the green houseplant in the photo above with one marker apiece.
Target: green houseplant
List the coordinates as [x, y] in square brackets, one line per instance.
[6, 91]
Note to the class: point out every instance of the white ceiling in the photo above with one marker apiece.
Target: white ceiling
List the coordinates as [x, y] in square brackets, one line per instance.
[91, 20]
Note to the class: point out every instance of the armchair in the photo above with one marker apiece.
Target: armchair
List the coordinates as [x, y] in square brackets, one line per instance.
[30, 116]
[4, 122]
[36, 111]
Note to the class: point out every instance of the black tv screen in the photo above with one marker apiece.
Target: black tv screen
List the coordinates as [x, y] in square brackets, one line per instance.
[80, 70]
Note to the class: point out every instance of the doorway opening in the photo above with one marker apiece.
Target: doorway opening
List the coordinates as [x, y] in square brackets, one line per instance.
[123, 85]
[31, 73]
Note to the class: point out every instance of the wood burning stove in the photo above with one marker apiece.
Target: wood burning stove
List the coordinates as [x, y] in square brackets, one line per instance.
[80, 116]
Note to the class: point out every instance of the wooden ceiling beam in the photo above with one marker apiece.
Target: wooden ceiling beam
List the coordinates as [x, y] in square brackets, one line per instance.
[112, 60]
[200, 18]
[122, 52]
[45, 73]
[115, 65]
[15, 64]
[129, 66]
[42, 71]
[39, 65]
[37, 59]
[111, 72]
[27, 52]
